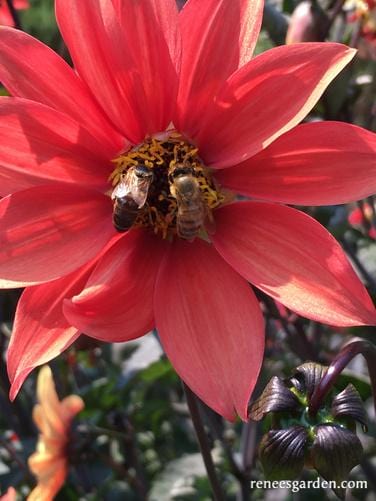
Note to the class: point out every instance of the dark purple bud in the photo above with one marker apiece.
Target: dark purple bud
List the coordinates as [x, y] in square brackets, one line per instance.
[307, 376]
[275, 397]
[282, 453]
[334, 453]
[349, 404]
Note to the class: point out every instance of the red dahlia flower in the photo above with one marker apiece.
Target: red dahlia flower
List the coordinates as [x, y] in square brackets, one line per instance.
[5, 15]
[159, 90]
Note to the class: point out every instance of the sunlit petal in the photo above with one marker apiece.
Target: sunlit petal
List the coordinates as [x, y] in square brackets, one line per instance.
[291, 257]
[210, 325]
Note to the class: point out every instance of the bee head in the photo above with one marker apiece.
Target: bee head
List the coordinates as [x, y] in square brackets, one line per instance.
[180, 170]
[142, 172]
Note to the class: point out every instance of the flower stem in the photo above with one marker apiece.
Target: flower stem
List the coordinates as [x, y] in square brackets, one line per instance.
[337, 8]
[248, 448]
[349, 351]
[359, 266]
[203, 442]
[215, 424]
[14, 14]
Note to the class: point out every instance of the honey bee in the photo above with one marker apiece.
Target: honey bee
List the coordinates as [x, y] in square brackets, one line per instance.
[130, 196]
[191, 210]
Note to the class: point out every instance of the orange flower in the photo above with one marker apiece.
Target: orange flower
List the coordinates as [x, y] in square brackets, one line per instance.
[53, 418]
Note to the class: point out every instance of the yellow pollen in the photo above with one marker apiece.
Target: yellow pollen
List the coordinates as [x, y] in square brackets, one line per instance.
[179, 195]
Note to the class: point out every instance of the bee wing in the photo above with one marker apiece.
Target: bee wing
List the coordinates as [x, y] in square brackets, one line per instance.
[120, 190]
[139, 193]
[209, 223]
[133, 187]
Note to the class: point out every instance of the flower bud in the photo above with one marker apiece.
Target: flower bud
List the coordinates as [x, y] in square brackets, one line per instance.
[307, 24]
[326, 442]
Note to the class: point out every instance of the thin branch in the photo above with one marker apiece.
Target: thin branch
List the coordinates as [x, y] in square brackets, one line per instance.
[333, 14]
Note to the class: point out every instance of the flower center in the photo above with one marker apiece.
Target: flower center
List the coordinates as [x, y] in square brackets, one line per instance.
[163, 185]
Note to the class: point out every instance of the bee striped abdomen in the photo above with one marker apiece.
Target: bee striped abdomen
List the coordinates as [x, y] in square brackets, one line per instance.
[125, 213]
[189, 222]
[130, 195]
[185, 189]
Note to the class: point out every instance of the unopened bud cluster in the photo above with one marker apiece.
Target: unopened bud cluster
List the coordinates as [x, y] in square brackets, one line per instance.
[326, 441]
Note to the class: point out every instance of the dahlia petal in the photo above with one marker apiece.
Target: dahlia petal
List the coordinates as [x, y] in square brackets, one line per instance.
[70, 406]
[154, 43]
[32, 70]
[44, 464]
[41, 145]
[21, 4]
[49, 485]
[210, 325]
[212, 51]
[40, 331]
[318, 163]
[117, 302]
[291, 257]
[47, 232]
[48, 399]
[6, 18]
[125, 60]
[266, 98]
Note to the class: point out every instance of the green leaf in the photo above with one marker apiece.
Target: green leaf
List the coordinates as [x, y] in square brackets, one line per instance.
[156, 370]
